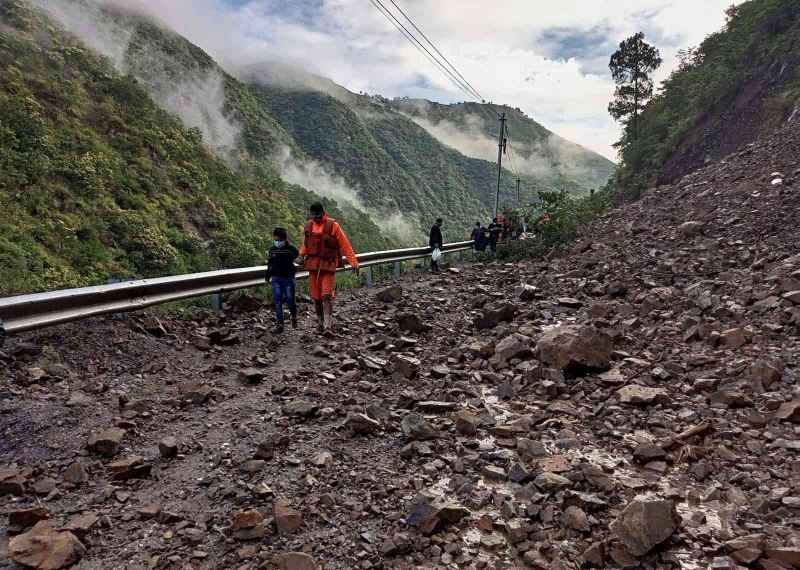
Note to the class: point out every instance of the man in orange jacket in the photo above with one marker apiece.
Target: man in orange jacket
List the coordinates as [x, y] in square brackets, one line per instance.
[324, 243]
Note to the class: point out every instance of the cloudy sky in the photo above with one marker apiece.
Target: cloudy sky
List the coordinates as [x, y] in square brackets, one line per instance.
[547, 57]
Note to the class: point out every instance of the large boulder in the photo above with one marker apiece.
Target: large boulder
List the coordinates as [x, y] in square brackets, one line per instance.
[644, 524]
[575, 347]
[45, 548]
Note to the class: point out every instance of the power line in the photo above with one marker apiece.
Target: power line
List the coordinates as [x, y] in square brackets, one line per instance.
[421, 48]
[439, 52]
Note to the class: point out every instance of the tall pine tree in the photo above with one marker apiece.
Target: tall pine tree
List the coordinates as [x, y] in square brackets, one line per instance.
[631, 66]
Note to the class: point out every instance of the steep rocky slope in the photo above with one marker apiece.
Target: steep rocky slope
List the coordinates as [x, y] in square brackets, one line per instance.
[631, 403]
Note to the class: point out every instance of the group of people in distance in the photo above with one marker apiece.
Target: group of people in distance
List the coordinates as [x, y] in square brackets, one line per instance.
[324, 244]
[500, 229]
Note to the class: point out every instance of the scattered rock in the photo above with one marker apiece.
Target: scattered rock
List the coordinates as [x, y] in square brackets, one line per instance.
[287, 519]
[465, 422]
[415, 427]
[44, 548]
[106, 442]
[361, 423]
[390, 294]
[168, 447]
[297, 561]
[637, 395]
[644, 524]
[574, 347]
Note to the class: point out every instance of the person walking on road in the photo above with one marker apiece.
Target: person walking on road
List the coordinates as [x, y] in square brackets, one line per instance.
[478, 237]
[324, 243]
[280, 274]
[435, 241]
[494, 234]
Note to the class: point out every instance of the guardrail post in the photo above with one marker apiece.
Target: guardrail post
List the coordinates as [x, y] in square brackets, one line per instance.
[216, 302]
[2, 333]
[111, 280]
[370, 276]
[398, 268]
[458, 255]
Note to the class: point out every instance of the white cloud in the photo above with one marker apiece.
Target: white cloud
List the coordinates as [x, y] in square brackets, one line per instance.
[504, 48]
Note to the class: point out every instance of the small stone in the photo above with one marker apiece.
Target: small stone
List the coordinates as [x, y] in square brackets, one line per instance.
[551, 482]
[107, 441]
[465, 422]
[250, 376]
[76, 473]
[361, 423]
[648, 452]
[168, 447]
[637, 395]
[25, 518]
[494, 473]
[390, 294]
[248, 525]
[149, 511]
[300, 408]
[287, 519]
[788, 412]
[415, 427]
[572, 347]
[297, 561]
[574, 518]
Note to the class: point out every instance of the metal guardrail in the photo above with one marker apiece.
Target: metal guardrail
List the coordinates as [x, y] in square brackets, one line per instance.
[40, 310]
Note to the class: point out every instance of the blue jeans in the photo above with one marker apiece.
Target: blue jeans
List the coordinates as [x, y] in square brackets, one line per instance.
[283, 292]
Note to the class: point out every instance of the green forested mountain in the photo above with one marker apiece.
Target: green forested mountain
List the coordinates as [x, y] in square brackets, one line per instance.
[125, 150]
[96, 180]
[738, 84]
[541, 158]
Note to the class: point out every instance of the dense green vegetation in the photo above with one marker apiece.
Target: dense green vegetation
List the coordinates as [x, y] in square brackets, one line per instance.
[566, 215]
[96, 180]
[757, 51]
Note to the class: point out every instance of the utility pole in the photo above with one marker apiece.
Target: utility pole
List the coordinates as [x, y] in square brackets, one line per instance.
[519, 202]
[500, 148]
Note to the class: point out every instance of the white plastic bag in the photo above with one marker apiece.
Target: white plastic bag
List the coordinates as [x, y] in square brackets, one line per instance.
[436, 255]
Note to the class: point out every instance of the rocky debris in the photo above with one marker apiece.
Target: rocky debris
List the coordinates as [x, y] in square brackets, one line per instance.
[644, 524]
[494, 315]
[25, 518]
[465, 422]
[106, 442]
[168, 447]
[406, 366]
[152, 325]
[417, 428]
[45, 548]
[12, 481]
[390, 294]
[250, 376]
[297, 561]
[76, 473]
[788, 412]
[133, 467]
[361, 423]
[527, 292]
[197, 393]
[514, 346]
[287, 519]
[409, 322]
[248, 525]
[575, 347]
[428, 510]
[637, 395]
[694, 403]
[300, 408]
[691, 228]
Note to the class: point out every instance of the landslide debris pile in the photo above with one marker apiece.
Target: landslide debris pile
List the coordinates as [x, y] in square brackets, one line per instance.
[633, 403]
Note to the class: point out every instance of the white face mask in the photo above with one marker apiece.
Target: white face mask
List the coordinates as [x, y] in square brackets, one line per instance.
[279, 243]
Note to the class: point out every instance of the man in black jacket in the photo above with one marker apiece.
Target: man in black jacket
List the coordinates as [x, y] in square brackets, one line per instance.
[280, 274]
[435, 241]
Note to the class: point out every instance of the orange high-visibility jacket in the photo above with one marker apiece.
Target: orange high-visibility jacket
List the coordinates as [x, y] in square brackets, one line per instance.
[324, 244]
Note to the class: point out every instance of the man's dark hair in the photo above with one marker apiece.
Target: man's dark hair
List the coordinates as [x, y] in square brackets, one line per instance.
[316, 207]
[280, 233]
[477, 224]
[439, 220]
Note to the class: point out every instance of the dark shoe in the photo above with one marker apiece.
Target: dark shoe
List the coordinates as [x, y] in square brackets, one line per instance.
[328, 333]
[277, 329]
[294, 322]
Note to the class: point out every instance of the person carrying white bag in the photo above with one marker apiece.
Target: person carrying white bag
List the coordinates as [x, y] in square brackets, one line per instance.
[435, 241]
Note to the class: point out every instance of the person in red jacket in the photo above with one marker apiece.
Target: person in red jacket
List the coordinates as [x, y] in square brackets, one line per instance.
[324, 243]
